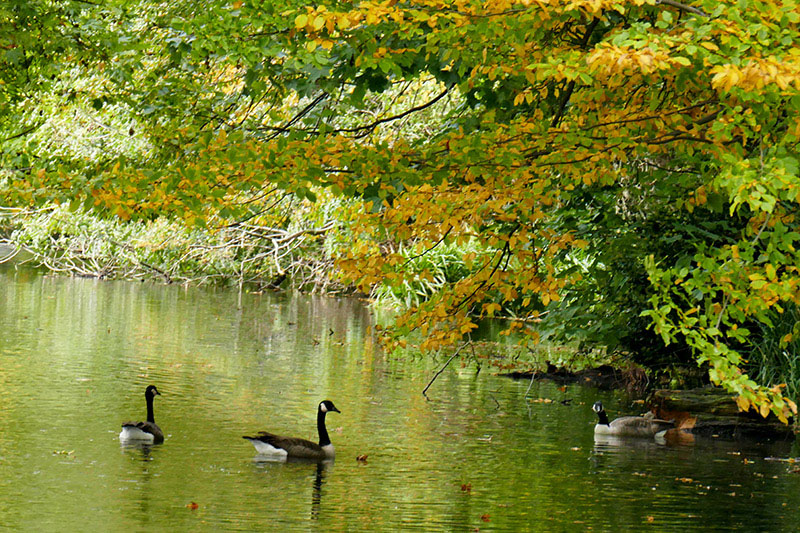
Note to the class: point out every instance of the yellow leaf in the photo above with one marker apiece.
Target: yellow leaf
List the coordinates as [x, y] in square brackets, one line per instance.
[743, 403]
[319, 22]
[770, 271]
[791, 404]
[301, 21]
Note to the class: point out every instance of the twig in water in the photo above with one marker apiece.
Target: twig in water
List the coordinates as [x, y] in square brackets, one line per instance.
[442, 369]
[495, 401]
[533, 376]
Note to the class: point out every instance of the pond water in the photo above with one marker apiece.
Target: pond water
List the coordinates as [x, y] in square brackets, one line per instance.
[77, 354]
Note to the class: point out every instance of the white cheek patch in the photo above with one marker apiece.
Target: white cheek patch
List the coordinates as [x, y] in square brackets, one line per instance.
[323, 408]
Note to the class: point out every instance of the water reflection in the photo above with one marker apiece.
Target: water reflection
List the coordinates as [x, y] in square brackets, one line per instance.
[603, 443]
[142, 451]
[291, 468]
[76, 353]
[316, 493]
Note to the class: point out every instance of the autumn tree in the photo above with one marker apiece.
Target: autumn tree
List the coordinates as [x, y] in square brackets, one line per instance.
[626, 172]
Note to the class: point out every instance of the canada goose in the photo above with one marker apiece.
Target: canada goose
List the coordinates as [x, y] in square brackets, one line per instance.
[293, 447]
[147, 431]
[628, 426]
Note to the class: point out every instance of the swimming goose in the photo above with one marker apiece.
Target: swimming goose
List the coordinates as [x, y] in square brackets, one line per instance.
[145, 432]
[628, 426]
[293, 447]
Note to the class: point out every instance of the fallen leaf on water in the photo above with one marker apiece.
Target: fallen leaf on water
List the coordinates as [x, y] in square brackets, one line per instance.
[362, 458]
[542, 400]
[485, 517]
[684, 479]
[575, 449]
[651, 518]
[192, 505]
[466, 487]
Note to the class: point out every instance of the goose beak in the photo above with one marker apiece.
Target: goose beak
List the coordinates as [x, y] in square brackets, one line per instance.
[335, 409]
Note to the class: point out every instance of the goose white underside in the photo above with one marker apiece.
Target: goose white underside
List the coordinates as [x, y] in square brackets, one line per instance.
[134, 434]
[271, 453]
[265, 449]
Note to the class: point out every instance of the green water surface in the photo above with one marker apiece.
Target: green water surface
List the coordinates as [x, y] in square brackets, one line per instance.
[76, 355]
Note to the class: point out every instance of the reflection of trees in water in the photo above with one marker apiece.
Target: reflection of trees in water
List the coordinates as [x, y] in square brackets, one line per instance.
[714, 478]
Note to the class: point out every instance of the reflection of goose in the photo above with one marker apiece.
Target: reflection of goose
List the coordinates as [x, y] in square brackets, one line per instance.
[628, 426]
[296, 448]
[148, 431]
[316, 493]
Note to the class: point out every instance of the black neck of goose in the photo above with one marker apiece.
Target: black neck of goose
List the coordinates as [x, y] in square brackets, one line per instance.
[324, 440]
[150, 417]
[603, 417]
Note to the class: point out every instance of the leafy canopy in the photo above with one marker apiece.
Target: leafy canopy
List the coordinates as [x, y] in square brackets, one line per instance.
[594, 154]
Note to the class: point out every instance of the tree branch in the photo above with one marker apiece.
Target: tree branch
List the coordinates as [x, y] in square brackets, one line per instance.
[562, 105]
[370, 127]
[442, 369]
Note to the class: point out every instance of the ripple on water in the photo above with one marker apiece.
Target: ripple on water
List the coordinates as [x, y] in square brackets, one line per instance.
[78, 354]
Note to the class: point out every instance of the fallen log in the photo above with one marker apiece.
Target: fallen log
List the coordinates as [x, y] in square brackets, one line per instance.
[717, 414]
[603, 377]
